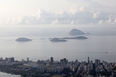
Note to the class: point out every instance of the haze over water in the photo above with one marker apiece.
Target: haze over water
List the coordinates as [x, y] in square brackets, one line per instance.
[41, 48]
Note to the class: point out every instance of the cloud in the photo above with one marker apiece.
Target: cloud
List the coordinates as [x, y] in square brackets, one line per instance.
[95, 15]
[81, 9]
[55, 22]
[42, 17]
[72, 22]
[84, 12]
[100, 22]
[115, 20]
[9, 21]
[73, 9]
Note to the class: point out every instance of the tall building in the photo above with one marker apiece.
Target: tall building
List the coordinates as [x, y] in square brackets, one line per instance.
[51, 60]
[1, 58]
[64, 61]
[97, 61]
[6, 59]
[88, 60]
[27, 59]
[12, 59]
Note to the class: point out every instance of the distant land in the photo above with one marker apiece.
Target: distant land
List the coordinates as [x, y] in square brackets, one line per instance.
[64, 39]
[22, 39]
[79, 37]
[72, 32]
[57, 40]
[76, 32]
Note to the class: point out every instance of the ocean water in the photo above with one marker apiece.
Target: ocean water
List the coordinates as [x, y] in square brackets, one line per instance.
[8, 75]
[41, 48]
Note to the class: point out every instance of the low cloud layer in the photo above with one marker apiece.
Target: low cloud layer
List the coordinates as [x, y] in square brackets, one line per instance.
[85, 12]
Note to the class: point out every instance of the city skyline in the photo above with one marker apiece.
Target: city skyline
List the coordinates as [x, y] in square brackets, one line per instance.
[58, 68]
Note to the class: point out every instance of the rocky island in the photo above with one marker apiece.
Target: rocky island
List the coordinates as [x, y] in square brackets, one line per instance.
[72, 32]
[76, 32]
[57, 40]
[64, 39]
[79, 37]
[22, 39]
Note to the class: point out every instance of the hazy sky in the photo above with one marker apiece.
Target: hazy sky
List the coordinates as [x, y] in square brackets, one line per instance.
[57, 12]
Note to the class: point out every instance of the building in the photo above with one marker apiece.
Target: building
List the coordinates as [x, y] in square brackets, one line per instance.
[27, 59]
[51, 60]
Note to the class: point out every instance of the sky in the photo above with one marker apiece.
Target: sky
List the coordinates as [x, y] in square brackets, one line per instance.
[55, 13]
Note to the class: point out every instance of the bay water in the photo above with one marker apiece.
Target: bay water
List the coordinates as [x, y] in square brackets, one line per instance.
[41, 48]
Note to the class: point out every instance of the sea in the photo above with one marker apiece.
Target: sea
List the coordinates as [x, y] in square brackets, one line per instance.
[2, 74]
[41, 48]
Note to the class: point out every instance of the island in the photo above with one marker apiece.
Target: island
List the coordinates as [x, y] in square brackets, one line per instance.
[64, 39]
[79, 37]
[76, 32]
[88, 33]
[22, 39]
[57, 40]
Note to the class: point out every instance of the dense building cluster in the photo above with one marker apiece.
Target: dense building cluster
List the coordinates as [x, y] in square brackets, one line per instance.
[65, 68]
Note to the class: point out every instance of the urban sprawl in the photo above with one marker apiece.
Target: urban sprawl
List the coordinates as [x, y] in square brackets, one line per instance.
[62, 68]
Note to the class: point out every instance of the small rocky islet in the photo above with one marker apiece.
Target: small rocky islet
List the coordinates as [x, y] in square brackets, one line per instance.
[76, 32]
[23, 39]
[58, 40]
